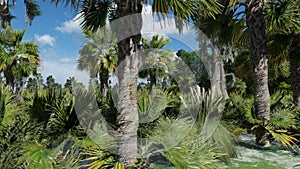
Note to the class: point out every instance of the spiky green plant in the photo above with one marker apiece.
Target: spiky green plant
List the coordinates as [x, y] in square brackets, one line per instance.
[9, 106]
[184, 144]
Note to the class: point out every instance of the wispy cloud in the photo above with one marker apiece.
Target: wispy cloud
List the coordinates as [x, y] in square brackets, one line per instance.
[61, 71]
[66, 60]
[70, 26]
[45, 39]
[167, 28]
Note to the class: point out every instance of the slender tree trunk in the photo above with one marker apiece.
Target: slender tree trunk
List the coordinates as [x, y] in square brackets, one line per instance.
[152, 81]
[294, 56]
[9, 78]
[215, 68]
[104, 82]
[258, 48]
[2, 106]
[218, 79]
[129, 36]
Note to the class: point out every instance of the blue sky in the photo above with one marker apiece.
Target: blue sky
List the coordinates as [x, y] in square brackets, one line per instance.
[60, 38]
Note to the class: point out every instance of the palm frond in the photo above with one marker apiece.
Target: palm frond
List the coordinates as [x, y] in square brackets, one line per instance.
[282, 136]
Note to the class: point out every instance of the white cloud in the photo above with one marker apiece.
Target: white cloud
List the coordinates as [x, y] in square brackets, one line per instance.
[167, 28]
[61, 71]
[151, 23]
[66, 60]
[45, 39]
[71, 26]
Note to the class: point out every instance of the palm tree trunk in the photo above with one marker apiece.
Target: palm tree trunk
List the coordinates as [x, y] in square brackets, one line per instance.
[218, 80]
[295, 68]
[9, 78]
[258, 48]
[152, 81]
[104, 81]
[214, 66]
[128, 30]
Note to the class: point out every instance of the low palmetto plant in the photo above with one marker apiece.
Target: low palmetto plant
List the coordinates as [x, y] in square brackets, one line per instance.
[184, 145]
[239, 114]
[152, 107]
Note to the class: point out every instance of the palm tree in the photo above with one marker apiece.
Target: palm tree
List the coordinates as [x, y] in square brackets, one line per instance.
[149, 44]
[18, 59]
[257, 30]
[283, 27]
[32, 10]
[224, 32]
[97, 57]
[267, 19]
[128, 31]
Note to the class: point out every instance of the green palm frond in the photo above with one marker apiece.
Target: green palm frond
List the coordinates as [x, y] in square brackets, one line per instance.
[283, 118]
[220, 137]
[283, 16]
[37, 155]
[189, 151]
[18, 59]
[9, 106]
[155, 42]
[151, 107]
[282, 136]
[13, 135]
[32, 10]
[99, 52]
[181, 9]
[223, 28]
[63, 117]
[95, 13]
[98, 158]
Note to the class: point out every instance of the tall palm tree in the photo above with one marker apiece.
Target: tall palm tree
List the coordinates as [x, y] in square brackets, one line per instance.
[224, 32]
[18, 59]
[155, 42]
[97, 57]
[128, 31]
[267, 23]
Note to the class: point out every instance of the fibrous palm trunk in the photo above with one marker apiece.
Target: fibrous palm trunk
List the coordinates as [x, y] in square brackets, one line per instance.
[153, 81]
[258, 48]
[9, 78]
[128, 28]
[218, 80]
[104, 76]
[214, 66]
[294, 56]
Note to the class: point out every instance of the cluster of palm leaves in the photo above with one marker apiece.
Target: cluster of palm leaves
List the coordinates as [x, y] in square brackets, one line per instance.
[18, 59]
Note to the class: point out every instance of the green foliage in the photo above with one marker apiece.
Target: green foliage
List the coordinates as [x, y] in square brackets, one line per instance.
[18, 59]
[193, 61]
[9, 106]
[151, 106]
[190, 152]
[284, 118]
[185, 145]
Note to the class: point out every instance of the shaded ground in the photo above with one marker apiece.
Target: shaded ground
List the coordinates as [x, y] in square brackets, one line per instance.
[252, 156]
